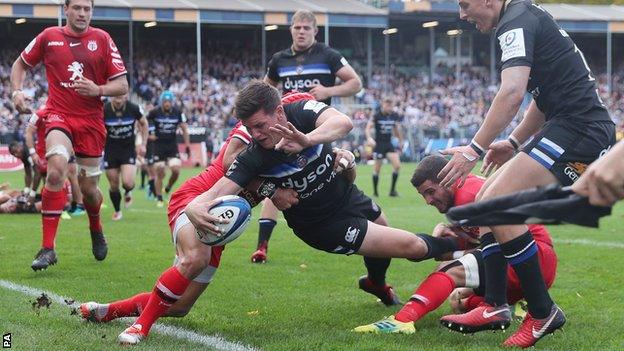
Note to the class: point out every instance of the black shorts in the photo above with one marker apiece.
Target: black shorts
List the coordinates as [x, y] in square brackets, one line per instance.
[382, 148]
[114, 157]
[163, 151]
[344, 232]
[566, 147]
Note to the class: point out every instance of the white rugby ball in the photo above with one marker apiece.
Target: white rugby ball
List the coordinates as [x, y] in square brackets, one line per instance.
[237, 211]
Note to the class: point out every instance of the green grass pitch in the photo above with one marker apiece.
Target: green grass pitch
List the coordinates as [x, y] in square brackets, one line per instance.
[301, 299]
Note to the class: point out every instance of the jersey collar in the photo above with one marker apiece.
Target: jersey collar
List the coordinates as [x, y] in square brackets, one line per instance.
[67, 30]
[295, 52]
[505, 5]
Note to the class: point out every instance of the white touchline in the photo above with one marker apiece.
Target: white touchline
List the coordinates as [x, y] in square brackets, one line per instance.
[608, 244]
[213, 341]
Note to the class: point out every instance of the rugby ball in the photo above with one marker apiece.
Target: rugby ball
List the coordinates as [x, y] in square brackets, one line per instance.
[237, 211]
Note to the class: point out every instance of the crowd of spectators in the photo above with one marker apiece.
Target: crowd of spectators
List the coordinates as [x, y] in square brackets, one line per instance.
[445, 105]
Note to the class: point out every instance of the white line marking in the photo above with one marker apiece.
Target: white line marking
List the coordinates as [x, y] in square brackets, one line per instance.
[590, 242]
[213, 341]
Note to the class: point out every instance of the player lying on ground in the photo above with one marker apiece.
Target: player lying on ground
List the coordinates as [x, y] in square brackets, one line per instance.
[466, 269]
[195, 263]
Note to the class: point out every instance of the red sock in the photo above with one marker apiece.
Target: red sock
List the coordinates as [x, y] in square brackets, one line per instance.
[428, 296]
[52, 203]
[94, 216]
[473, 301]
[169, 288]
[130, 307]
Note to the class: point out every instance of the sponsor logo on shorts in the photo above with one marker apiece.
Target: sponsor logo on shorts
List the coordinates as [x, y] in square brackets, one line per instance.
[375, 206]
[352, 234]
[574, 170]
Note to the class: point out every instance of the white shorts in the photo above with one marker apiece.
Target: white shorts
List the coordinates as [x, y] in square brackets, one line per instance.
[208, 273]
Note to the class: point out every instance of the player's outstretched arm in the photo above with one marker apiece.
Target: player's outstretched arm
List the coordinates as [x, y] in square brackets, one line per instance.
[331, 125]
[504, 107]
[197, 210]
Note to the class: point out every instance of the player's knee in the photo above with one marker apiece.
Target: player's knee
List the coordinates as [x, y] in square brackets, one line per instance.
[192, 264]
[456, 272]
[415, 248]
[55, 177]
[128, 185]
[90, 192]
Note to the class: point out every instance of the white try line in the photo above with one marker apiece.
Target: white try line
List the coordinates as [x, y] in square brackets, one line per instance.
[213, 341]
[608, 244]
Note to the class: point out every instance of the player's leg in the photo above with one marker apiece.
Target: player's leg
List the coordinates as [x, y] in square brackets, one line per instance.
[53, 196]
[376, 169]
[88, 178]
[158, 183]
[513, 244]
[175, 164]
[374, 282]
[151, 172]
[112, 174]
[429, 295]
[77, 206]
[266, 223]
[194, 260]
[128, 173]
[394, 159]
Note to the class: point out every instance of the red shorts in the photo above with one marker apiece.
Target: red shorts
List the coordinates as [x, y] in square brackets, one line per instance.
[87, 135]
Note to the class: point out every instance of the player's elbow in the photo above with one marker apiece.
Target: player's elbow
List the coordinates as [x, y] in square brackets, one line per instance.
[346, 124]
[18, 67]
[123, 86]
[512, 94]
[357, 84]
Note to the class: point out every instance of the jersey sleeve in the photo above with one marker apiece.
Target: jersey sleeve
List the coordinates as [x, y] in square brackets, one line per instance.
[242, 134]
[272, 71]
[138, 112]
[33, 53]
[303, 114]
[516, 40]
[245, 167]
[336, 60]
[115, 66]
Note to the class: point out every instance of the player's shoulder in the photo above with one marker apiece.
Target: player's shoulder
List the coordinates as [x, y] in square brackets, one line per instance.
[282, 54]
[98, 32]
[520, 13]
[52, 30]
[322, 47]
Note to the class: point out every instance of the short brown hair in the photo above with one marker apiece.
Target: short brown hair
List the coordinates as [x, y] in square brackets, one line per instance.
[428, 169]
[67, 2]
[303, 15]
[254, 96]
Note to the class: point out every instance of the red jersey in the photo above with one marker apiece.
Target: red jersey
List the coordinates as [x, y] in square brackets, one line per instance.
[467, 194]
[206, 179]
[68, 56]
